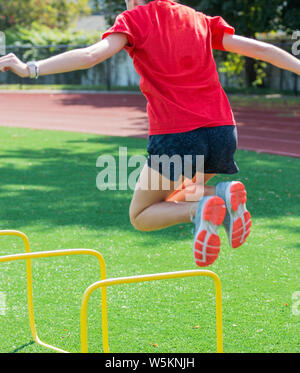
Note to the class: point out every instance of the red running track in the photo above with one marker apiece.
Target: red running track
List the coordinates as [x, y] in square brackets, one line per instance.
[261, 130]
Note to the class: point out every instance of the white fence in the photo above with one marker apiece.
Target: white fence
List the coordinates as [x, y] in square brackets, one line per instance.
[119, 72]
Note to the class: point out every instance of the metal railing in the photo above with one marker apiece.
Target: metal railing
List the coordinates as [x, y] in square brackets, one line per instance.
[118, 71]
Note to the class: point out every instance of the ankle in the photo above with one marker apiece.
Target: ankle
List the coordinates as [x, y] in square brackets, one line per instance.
[209, 190]
[193, 211]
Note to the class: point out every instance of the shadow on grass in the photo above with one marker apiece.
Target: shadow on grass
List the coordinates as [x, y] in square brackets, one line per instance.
[57, 187]
[18, 349]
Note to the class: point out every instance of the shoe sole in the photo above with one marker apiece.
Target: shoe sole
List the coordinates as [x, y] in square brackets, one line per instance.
[207, 243]
[240, 217]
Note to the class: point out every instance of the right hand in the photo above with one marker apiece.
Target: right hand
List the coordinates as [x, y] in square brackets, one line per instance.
[11, 62]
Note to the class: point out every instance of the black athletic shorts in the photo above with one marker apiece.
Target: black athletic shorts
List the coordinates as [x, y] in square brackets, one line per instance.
[217, 145]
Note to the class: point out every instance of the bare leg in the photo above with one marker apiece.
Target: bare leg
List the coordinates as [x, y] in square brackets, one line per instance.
[181, 194]
[151, 210]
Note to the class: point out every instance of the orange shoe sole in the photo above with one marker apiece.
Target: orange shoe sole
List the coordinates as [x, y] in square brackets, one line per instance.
[241, 226]
[207, 243]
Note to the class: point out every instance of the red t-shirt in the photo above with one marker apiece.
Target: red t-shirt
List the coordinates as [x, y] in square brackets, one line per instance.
[171, 47]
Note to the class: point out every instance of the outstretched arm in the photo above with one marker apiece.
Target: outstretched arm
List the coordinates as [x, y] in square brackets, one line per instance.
[261, 51]
[77, 59]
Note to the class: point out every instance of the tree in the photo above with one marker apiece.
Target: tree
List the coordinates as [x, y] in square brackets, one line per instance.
[248, 17]
[290, 15]
[111, 8]
[253, 16]
[52, 13]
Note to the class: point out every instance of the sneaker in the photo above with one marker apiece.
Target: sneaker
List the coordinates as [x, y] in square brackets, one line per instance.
[209, 216]
[237, 221]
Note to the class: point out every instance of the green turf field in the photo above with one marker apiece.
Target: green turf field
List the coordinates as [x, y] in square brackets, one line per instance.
[48, 191]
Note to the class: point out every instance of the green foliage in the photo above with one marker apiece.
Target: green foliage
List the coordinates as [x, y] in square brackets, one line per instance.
[252, 16]
[233, 67]
[96, 5]
[43, 35]
[260, 68]
[112, 8]
[52, 13]
[290, 15]
[248, 16]
[39, 35]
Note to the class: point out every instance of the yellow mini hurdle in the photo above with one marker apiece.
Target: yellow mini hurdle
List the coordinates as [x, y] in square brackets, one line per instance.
[102, 284]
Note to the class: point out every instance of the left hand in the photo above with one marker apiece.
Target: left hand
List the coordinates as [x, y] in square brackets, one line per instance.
[11, 62]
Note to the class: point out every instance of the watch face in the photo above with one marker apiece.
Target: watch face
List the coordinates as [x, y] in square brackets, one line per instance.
[32, 69]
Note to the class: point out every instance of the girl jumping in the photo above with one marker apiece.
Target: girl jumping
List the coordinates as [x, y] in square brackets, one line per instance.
[189, 115]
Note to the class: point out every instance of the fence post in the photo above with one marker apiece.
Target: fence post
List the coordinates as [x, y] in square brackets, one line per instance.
[2, 44]
[281, 45]
[296, 84]
[108, 74]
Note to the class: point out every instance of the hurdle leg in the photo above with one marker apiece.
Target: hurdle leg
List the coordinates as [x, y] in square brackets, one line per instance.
[28, 255]
[143, 278]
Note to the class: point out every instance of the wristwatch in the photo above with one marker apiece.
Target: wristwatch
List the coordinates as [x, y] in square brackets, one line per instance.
[33, 70]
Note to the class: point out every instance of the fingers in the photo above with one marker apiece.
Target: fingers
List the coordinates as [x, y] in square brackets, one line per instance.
[8, 56]
[5, 61]
[4, 68]
[11, 62]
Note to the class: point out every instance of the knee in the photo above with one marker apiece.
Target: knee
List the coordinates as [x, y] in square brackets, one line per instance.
[137, 221]
[133, 220]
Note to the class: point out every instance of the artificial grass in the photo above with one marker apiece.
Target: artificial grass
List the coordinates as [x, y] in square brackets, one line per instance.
[48, 191]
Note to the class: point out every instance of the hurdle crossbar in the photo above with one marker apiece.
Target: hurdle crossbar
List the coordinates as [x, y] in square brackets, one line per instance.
[103, 284]
[46, 254]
